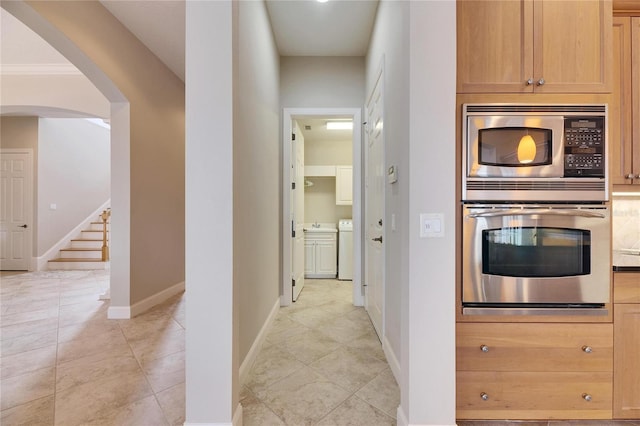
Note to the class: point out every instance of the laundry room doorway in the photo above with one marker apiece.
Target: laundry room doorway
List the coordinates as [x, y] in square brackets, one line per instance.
[331, 178]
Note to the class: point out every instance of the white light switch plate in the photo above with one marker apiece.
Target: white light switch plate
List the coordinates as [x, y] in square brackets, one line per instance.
[431, 225]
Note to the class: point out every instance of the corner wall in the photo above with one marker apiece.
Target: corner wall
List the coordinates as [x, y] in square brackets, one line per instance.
[417, 42]
[74, 160]
[148, 213]
[256, 173]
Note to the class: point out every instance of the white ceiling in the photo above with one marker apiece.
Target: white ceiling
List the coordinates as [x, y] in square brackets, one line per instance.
[301, 28]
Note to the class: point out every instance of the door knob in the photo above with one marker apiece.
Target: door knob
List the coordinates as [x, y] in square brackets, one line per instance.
[23, 226]
[379, 239]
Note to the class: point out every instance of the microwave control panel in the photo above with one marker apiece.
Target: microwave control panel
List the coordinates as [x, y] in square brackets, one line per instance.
[584, 142]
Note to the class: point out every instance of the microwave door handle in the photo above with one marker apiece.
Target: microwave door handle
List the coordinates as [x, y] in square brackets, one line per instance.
[531, 212]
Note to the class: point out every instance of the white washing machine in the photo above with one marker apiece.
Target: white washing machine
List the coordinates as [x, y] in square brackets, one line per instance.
[345, 249]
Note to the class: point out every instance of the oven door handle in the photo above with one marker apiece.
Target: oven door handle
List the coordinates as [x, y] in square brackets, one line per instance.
[531, 212]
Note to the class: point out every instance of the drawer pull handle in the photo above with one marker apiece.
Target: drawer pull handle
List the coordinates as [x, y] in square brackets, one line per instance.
[484, 396]
[587, 349]
[484, 348]
[587, 397]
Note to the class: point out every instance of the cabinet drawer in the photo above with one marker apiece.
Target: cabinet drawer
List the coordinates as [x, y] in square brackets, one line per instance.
[512, 395]
[534, 347]
[626, 287]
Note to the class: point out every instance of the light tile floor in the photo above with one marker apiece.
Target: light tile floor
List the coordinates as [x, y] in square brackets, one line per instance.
[62, 362]
[321, 364]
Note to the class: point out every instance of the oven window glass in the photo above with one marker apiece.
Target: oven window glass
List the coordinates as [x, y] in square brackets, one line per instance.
[514, 146]
[536, 252]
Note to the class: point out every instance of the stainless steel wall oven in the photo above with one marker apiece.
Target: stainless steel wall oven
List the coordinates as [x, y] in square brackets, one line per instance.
[540, 259]
[535, 222]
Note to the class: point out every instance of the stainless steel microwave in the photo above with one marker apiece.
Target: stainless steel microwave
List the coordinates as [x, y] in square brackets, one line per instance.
[530, 153]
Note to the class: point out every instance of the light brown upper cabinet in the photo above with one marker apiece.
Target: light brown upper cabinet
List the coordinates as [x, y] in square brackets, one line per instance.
[624, 110]
[534, 46]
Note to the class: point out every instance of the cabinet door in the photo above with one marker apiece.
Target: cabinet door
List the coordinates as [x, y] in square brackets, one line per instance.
[620, 116]
[635, 95]
[626, 391]
[572, 46]
[309, 257]
[344, 185]
[326, 257]
[495, 42]
[624, 110]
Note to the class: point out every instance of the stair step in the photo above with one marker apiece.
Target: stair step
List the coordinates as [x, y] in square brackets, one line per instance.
[77, 264]
[81, 253]
[93, 233]
[86, 243]
[97, 226]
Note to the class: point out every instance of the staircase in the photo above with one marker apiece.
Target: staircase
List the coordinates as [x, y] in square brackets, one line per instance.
[85, 251]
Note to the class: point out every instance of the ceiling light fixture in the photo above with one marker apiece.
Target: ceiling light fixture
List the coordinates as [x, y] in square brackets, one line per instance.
[339, 125]
[322, 1]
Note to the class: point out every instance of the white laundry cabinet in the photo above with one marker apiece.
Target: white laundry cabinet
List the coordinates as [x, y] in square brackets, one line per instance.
[320, 254]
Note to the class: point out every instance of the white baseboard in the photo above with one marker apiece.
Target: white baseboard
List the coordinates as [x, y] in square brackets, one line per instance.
[119, 312]
[126, 312]
[236, 421]
[41, 261]
[394, 364]
[401, 419]
[248, 361]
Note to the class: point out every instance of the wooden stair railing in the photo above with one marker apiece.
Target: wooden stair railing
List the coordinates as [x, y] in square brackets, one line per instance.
[106, 214]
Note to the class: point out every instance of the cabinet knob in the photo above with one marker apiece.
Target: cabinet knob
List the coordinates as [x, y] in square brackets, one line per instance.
[587, 397]
[484, 396]
[541, 82]
[484, 348]
[587, 349]
[629, 176]
[529, 82]
[638, 176]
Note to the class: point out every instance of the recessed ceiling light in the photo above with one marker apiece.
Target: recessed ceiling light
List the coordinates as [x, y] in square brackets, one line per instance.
[322, 1]
[339, 125]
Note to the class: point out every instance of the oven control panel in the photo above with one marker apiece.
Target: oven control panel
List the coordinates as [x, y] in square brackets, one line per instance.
[584, 142]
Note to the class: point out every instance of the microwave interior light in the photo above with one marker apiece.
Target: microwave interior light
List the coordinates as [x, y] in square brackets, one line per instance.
[526, 149]
[339, 125]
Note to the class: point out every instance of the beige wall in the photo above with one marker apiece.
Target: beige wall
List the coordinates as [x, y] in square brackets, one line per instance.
[322, 81]
[322, 153]
[121, 66]
[256, 173]
[73, 173]
[73, 93]
[320, 199]
[19, 132]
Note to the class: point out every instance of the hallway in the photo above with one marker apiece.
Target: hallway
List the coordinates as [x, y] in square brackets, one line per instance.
[321, 364]
[62, 362]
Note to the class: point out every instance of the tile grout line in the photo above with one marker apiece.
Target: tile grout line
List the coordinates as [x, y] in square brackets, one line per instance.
[155, 395]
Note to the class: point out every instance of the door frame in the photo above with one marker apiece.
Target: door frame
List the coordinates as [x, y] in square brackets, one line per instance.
[288, 115]
[29, 195]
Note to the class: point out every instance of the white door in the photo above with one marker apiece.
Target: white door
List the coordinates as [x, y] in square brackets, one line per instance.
[15, 210]
[374, 208]
[297, 209]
